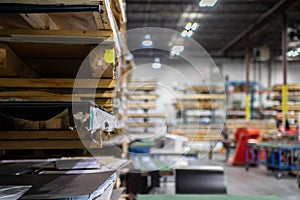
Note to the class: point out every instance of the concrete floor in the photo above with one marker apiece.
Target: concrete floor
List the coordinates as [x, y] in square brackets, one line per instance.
[258, 181]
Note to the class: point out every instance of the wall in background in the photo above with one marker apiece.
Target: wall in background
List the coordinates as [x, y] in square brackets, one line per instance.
[174, 73]
[235, 70]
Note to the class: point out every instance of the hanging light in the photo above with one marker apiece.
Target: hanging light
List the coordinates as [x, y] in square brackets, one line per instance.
[188, 26]
[190, 33]
[207, 3]
[176, 50]
[195, 26]
[190, 29]
[184, 33]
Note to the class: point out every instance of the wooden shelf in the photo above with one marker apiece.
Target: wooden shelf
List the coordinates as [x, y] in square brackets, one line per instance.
[47, 50]
[150, 97]
[198, 126]
[201, 97]
[44, 139]
[57, 89]
[135, 87]
[57, 83]
[46, 144]
[142, 124]
[39, 134]
[141, 105]
[198, 135]
[198, 89]
[199, 105]
[146, 115]
[291, 88]
[290, 107]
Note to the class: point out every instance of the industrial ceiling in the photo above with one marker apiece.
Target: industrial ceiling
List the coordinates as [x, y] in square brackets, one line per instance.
[226, 28]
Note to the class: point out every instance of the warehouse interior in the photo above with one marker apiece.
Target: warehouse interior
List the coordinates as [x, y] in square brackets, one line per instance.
[150, 99]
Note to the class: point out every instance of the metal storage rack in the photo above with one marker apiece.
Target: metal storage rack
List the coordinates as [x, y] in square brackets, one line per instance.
[43, 44]
[141, 110]
[197, 98]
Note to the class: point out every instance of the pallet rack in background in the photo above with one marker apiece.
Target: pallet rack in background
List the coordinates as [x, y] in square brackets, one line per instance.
[293, 104]
[193, 104]
[143, 118]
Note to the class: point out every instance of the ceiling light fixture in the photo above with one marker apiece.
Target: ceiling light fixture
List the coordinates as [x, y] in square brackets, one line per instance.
[190, 28]
[195, 26]
[176, 50]
[184, 33]
[207, 3]
[293, 53]
[190, 33]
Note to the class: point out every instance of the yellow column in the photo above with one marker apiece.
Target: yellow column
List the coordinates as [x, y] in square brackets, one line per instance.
[248, 108]
[284, 104]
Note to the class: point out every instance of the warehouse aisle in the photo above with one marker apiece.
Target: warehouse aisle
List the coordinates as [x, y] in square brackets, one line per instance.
[258, 181]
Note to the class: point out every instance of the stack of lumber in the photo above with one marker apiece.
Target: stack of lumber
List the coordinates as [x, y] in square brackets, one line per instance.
[142, 118]
[196, 102]
[41, 53]
[265, 126]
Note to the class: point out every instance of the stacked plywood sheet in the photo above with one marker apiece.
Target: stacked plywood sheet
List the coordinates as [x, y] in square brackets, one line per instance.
[41, 52]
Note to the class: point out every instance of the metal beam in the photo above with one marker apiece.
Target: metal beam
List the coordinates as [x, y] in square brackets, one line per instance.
[33, 8]
[170, 12]
[248, 95]
[192, 2]
[260, 24]
[284, 93]
[284, 48]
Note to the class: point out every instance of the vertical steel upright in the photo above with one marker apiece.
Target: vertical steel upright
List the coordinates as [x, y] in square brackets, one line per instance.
[248, 94]
[284, 91]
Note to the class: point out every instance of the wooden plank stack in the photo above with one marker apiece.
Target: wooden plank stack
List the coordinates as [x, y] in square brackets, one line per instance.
[40, 55]
[190, 101]
[143, 118]
[293, 100]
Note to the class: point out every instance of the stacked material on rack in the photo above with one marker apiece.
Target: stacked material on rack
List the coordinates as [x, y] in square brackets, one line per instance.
[144, 118]
[49, 54]
[197, 109]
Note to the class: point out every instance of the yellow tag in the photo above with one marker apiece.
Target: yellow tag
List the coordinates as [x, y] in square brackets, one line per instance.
[109, 55]
[248, 108]
[284, 103]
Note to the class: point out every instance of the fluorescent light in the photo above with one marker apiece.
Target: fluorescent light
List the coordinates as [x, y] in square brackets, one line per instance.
[176, 50]
[207, 3]
[289, 53]
[188, 26]
[192, 15]
[195, 26]
[190, 33]
[184, 33]
[292, 53]
[295, 54]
